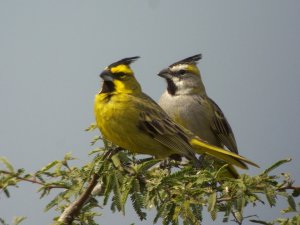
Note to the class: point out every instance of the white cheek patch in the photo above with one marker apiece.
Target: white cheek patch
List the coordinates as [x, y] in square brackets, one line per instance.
[178, 82]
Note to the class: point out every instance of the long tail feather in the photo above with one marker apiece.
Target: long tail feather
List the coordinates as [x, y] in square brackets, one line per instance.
[227, 156]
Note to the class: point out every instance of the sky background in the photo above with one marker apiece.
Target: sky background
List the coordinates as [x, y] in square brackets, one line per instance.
[51, 53]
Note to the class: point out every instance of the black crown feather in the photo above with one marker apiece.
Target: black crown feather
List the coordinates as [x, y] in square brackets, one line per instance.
[190, 60]
[125, 61]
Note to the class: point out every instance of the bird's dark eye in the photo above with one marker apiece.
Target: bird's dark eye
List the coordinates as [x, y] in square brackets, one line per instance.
[121, 75]
[181, 72]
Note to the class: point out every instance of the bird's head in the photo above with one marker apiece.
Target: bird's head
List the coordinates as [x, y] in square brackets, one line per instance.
[119, 77]
[183, 77]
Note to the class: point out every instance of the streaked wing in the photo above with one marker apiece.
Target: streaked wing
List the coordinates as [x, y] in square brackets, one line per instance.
[221, 128]
[157, 124]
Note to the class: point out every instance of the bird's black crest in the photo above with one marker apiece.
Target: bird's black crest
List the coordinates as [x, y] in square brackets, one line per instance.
[125, 61]
[190, 60]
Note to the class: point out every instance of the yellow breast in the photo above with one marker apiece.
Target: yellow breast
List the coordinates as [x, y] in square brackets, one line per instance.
[109, 113]
[117, 117]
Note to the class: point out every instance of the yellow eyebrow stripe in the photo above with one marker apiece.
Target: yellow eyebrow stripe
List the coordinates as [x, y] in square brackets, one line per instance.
[194, 69]
[188, 67]
[121, 69]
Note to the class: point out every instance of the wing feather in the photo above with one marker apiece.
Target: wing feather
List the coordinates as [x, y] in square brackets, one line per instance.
[157, 124]
[221, 128]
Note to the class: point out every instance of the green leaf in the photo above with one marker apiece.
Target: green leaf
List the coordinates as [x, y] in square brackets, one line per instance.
[6, 192]
[287, 210]
[138, 204]
[147, 165]
[55, 201]
[96, 150]
[197, 211]
[7, 164]
[296, 193]
[18, 220]
[213, 214]
[271, 198]
[240, 203]
[68, 157]
[95, 139]
[38, 176]
[117, 194]
[276, 165]
[170, 214]
[189, 214]
[126, 188]
[48, 166]
[137, 199]
[292, 203]
[260, 222]
[297, 218]
[212, 202]
[238, 216]
[108, 182]
[160, 213]
[227, 210]
[117, 162]
[221, 170]
[91, 127]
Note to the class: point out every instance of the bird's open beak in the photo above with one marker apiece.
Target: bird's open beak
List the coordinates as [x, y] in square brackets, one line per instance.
[106, 75]
[165, 73]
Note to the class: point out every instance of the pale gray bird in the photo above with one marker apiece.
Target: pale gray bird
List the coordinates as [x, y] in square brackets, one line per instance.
[186, 101]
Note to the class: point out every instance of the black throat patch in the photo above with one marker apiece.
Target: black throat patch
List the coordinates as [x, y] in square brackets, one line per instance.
[171, 87]
[107, 87]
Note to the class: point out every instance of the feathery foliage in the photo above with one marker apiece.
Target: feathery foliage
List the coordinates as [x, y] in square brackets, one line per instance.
[179, 193]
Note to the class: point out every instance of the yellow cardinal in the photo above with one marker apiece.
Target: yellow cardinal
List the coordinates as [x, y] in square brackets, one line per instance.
[132, 120]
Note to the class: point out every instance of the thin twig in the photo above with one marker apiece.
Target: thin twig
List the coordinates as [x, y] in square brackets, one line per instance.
[33, 180]
[289, 187]
[73, 210]
[225, 199]
[235, 218]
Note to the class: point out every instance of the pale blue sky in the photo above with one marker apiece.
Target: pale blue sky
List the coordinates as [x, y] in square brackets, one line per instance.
[51, 53]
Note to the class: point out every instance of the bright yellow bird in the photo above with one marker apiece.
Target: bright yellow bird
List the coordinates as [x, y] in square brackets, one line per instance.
[132, 120]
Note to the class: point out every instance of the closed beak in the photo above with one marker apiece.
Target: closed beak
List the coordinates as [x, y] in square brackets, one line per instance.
[106, 75]
[165, 73]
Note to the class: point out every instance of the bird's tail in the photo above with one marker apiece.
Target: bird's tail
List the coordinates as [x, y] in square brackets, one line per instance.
[219, 153]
